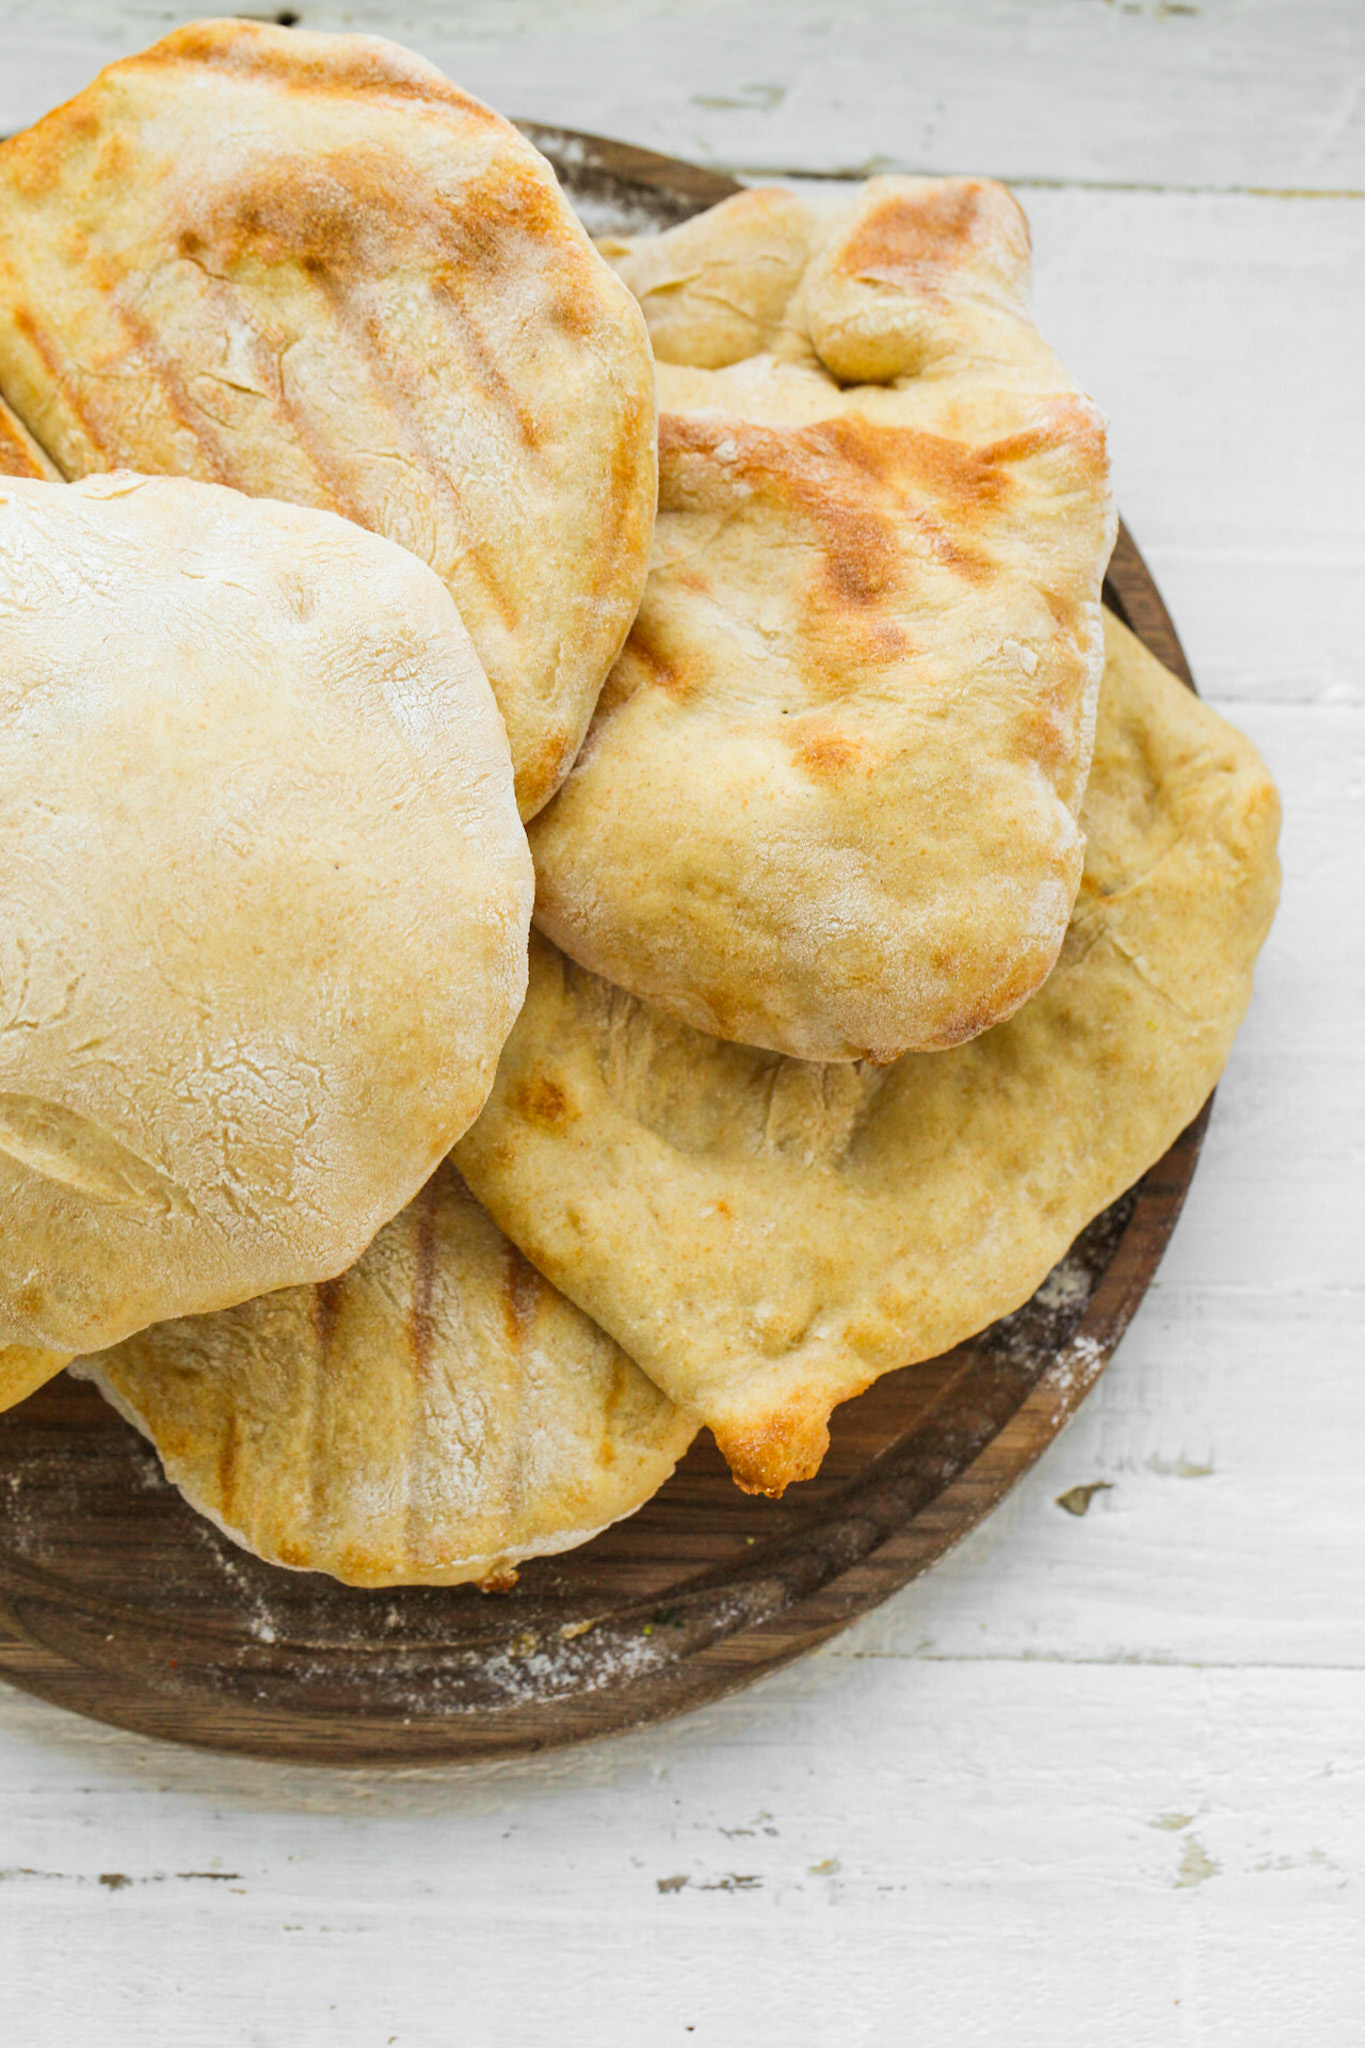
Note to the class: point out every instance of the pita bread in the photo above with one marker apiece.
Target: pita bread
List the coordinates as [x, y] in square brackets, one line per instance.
[20, 454]
[264, 898]
[309, 267]
[766, 1236]
[828, 801]
[436, 1414]
[23, 1370]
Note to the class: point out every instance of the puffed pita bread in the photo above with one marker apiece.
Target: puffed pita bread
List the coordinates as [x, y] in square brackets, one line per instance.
[310, 267]
[766, 1236]
[264, 898]
[437, 1414]
[828, 801]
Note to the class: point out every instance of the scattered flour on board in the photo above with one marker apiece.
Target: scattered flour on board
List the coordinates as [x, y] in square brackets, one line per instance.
[1068, 1286]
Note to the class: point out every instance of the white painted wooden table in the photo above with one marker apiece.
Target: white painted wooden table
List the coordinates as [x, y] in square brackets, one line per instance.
[1094, 1780]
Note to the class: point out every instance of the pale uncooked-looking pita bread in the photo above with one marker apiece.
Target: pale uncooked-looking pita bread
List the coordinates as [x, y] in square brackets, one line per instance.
[828, 800]
[264, 897]
[310, 267]
[766, 1236]
[436, 1414]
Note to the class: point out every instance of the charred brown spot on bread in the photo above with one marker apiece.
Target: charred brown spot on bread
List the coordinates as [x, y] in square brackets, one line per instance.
[858, 554]
[31, 1298]
[823, 751]
[629, 518]
[909, 234]
[540, 1100]
[1024, 977]
[300, 215]
[1069, 425]
[909, 463]
[659, 672]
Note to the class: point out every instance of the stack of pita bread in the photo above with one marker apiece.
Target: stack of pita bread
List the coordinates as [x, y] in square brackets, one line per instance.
[895, 909]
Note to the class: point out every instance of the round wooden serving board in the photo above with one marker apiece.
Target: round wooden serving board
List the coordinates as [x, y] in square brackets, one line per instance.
[117, 1600]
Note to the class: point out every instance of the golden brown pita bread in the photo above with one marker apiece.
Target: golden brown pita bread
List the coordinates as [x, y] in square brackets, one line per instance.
[767, 1236]
[436, 1414]
[23, 1370]
[309, 267]
[264, 897]
[20, 454]
[828, 800]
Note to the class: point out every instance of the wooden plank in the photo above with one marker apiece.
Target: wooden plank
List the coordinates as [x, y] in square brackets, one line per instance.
[1222, 93]
[1226, 1434]
[1013, 1851]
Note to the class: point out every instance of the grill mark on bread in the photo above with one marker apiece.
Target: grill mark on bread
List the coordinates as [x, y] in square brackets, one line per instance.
[542, 1102]
[382, 373]
[420, 1328]
[520, 1298]
[50, 356]
[824, 471]
[237, 314]
[487, 379]
[659, 672]
[316, 1376]
[16, 457]
[326, 1306]
[187, 415]
[229, 1452]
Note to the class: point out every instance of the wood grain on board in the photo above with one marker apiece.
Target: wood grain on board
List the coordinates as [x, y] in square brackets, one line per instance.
[116, 1599]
